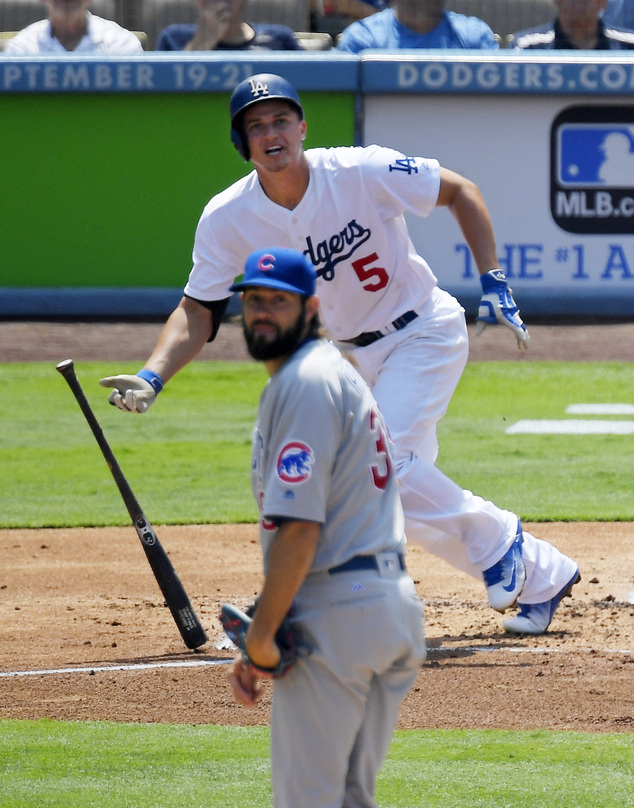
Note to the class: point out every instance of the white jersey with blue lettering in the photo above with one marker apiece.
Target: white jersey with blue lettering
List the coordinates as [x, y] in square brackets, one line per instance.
[350, 223]
[321, 454]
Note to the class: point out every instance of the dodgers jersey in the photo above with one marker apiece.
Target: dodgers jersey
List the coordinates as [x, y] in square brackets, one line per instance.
[351, 225]
[320, 453]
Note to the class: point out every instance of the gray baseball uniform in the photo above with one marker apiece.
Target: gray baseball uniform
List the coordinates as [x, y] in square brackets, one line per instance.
[320, 453]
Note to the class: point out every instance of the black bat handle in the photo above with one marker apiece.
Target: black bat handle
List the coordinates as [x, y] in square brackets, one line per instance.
[67, 369]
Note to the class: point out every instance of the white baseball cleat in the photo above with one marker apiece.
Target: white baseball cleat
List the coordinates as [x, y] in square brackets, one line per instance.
[504, 581]
[534, 618]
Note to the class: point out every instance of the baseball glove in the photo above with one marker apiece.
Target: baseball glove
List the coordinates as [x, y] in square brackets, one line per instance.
[236, 624]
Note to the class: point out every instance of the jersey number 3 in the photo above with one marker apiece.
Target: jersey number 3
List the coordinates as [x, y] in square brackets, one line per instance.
[382, 470]
[365, 273]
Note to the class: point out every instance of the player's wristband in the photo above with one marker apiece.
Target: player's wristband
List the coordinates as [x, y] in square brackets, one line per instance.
[153, 378]
[491, 279]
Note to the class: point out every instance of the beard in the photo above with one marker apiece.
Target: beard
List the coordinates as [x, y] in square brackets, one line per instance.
[283, 344]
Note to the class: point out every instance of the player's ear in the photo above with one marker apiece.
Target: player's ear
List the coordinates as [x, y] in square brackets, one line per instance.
[312, 307]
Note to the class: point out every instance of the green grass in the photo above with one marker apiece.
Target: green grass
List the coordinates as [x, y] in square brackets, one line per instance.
[188, 458]
[540, 477]
[99, 765]
[188, 461]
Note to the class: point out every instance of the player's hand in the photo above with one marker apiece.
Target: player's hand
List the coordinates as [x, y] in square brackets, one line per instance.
[131, 393]
[244, 682]
[213, 22]
[498, 307]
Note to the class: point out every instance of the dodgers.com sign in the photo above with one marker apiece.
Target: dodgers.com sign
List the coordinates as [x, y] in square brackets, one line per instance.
[448, 72]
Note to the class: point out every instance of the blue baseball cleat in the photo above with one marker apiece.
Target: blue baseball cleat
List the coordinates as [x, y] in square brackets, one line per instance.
[504, 581]
[534, 618]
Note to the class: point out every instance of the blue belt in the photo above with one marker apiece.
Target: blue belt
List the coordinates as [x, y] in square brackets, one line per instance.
[368, 337]
[363, 562]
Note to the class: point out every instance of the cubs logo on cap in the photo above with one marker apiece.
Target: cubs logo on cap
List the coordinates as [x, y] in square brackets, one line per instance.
[279, 268]
[266, 262]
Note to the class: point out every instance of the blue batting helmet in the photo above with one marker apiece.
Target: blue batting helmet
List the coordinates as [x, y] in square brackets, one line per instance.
[263, 87]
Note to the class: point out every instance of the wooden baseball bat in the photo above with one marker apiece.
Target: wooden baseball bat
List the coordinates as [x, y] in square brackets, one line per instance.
[173, 591]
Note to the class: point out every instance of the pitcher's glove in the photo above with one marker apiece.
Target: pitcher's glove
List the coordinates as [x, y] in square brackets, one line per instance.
[236, 624]
[497, 306]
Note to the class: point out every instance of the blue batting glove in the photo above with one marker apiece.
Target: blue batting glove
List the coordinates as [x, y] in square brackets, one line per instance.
[497, 307]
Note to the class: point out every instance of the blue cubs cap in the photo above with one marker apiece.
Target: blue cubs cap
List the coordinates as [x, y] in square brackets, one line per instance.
[278, 268]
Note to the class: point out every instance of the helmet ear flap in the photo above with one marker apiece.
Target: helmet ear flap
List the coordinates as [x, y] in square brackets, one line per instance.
[239, 140]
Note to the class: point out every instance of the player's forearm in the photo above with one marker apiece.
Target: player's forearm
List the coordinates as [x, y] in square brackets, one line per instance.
[290, 560]
[182, 338]
[475, 222]
[464, 200]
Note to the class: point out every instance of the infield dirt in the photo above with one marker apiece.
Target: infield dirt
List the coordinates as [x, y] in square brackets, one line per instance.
[85, 600]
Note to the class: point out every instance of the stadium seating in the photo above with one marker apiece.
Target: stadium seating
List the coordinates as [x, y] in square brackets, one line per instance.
[314, 40]
[151, 16]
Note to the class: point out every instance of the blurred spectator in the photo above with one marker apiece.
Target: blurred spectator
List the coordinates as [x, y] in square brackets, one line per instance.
[619, 14]
[71, 27]
[578, 26]
[417, 24]
[221, 27]
[352, 9]
[332, 16]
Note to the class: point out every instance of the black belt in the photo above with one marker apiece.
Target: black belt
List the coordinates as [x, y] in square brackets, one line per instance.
[368, 337]
[363, 562]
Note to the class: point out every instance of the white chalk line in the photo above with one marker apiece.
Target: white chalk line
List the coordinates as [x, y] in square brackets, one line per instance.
[137, 666]
[569, 427]
[520, 650]
[600, 409]
[579, 426]
[141, 666]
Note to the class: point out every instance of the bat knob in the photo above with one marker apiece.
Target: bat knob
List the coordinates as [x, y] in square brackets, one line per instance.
[66, 366]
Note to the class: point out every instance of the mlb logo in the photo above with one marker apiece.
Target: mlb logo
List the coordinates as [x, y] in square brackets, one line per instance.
[592, 169]
[595, 155]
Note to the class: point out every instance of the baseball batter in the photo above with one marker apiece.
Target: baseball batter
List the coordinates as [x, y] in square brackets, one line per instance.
[333, 546]
[380, 301]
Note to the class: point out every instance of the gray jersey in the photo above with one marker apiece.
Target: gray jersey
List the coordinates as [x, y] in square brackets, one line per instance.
[326, 460]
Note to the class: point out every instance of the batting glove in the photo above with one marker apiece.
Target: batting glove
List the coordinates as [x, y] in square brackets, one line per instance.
[133, 393]
[498, 307]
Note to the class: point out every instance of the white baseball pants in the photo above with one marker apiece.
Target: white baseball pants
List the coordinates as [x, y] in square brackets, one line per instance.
[413, 374]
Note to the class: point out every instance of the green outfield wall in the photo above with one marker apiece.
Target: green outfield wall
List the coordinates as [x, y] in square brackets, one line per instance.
[105, 174]
[107, 190]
